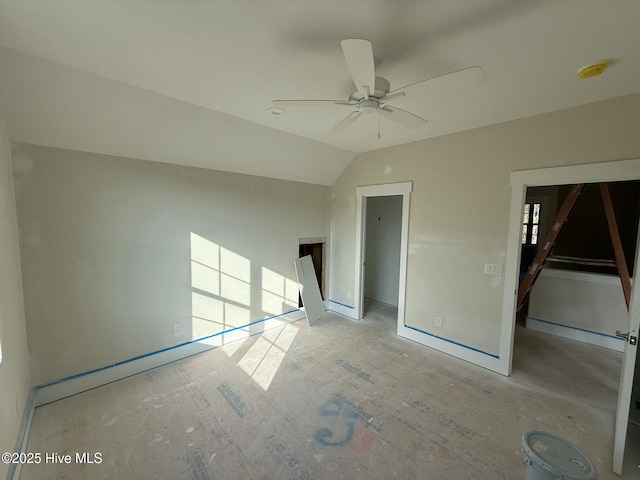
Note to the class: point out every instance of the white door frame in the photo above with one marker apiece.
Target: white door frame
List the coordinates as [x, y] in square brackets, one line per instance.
[588, 173]
[520, 180]
[385, 190]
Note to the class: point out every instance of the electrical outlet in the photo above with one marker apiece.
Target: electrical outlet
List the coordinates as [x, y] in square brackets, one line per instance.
[438, 321]
[177, 329]
[348, 295]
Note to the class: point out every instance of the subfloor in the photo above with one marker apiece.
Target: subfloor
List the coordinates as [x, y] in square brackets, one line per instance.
[339, 400]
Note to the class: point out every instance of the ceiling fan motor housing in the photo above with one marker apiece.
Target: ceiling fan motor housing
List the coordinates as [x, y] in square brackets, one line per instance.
[369, 105]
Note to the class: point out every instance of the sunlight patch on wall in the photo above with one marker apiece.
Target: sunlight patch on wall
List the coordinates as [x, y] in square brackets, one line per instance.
[205, 251]
[236, 316]
[235, 290]
[235, 265]
[279, 293]
[205, 278]
[221, 296]
[221, 308]
[207, 308]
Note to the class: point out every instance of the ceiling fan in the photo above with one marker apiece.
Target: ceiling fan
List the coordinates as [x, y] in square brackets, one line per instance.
[373, 93]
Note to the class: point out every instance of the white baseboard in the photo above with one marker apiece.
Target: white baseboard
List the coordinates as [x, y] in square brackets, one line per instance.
[468, 353]
[576, 333]
[342, 309]
[23, 435]
[84, 381]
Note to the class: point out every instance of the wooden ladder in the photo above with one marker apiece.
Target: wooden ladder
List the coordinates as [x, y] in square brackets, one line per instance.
[621, 262]
[551, 238]
[549, 241]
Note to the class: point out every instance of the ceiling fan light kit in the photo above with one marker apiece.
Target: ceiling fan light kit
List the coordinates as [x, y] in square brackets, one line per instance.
[367, 99]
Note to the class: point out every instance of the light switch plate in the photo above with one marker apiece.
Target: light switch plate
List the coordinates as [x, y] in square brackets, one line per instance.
[492, 269]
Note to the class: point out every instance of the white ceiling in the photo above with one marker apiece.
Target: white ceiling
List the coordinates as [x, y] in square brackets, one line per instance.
[190, 81]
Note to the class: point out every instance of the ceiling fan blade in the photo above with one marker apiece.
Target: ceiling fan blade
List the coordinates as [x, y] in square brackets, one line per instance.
[386, 98]
[309, 103]
[448, 81]
[402, 117]
[345, 123]
[359, 56]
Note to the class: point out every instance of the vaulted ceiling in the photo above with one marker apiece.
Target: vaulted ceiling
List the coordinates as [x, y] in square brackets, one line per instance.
[191, 82]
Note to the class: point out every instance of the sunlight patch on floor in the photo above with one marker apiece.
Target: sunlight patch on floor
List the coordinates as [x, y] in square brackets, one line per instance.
[262, 360]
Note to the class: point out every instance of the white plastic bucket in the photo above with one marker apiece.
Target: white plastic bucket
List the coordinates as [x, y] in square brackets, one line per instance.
[549, 457]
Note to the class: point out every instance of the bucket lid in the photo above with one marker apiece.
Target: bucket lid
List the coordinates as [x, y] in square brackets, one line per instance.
[557, 455]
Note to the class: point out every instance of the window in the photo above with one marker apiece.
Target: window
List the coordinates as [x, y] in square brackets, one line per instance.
[530, 223]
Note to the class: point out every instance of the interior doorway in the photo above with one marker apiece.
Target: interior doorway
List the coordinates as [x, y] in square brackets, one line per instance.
[579, 294]
[383, 233]
[587, 173]
[403, 190]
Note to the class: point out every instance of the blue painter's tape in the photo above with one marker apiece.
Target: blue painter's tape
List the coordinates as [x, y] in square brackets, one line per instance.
[343, 304]
[145, 355]
[493, 355]
[577, 328]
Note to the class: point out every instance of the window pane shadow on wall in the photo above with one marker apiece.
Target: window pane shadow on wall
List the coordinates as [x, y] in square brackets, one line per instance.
[221, 307]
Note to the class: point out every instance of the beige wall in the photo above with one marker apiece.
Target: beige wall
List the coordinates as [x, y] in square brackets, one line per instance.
[118, 251]
[14, 369]
[460, 208]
